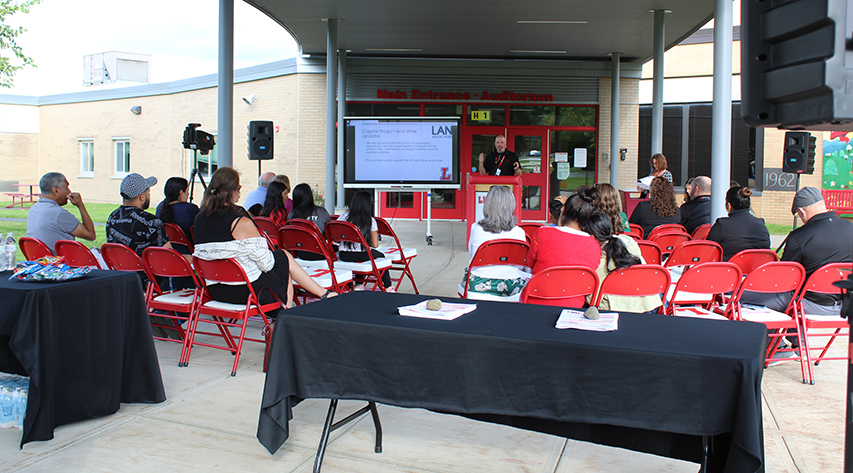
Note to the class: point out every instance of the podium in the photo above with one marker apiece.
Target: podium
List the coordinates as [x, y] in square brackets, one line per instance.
[477, 188]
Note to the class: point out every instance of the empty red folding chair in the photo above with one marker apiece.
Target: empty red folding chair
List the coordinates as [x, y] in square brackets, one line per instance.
[296, 238]
[694, 293]
[269, 228]
[637, 229]
[177, 236]
[401, 257]
[776, 277]
[690, 253]
[76, 255]
[748, 260]
[669, 240]
[666, 228]
[635, 281]
[222, 314]
[558, 283]
[121, 258]
[33, 248]
[651, 252]
[530, 229]
[821, 281]
[372, 269]
[174, 307]
[701, 232]
[499, 252]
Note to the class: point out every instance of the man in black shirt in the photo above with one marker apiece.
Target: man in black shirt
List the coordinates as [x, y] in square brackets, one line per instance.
[501, 162]
[697, 211]
[130, 224]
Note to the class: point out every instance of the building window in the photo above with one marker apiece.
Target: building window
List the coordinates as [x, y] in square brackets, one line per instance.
[549, 115]
[121, 146]
[87, 157]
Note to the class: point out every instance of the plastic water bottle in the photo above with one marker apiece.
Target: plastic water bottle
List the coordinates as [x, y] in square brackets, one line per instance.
[21, 407]
[11, 251]
[7, 407]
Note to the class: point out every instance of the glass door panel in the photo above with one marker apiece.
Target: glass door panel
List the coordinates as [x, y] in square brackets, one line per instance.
[531, 148]
[571, 162]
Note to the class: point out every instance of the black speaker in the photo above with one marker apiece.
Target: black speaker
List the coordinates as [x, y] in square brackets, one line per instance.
[260, 140]
[796, 70]
[799, 152]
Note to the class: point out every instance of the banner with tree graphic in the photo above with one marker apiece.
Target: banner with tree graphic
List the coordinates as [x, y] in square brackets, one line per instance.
[838, 161]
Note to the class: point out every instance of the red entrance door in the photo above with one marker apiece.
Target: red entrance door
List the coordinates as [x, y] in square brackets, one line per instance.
[531, 146]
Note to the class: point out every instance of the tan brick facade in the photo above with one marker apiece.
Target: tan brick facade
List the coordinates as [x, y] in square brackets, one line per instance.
[629, 123]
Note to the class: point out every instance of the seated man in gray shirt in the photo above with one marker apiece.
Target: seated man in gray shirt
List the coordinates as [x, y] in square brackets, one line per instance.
[48, 221]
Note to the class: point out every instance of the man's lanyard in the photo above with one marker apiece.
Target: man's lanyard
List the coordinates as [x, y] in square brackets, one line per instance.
[502, 160]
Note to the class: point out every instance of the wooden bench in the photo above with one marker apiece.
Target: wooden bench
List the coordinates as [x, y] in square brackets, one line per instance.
[15, 196]
[839, 200]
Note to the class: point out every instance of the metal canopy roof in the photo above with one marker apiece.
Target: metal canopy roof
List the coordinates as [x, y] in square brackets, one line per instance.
[585, 30]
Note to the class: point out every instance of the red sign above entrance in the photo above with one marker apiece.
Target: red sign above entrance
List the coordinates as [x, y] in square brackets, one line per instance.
[505, 96]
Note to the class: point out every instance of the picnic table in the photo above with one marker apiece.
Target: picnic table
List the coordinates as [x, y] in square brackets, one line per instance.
[19, 198]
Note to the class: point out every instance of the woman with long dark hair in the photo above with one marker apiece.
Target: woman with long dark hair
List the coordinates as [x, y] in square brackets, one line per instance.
[304, 207]
[740, 230]
[660, 209]
[274, 203]
[617, 252]
[176, 209]
[225, 230]
[360, 214]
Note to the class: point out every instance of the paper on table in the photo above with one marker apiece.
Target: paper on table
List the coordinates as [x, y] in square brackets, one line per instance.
[448, 311]
[608, 322]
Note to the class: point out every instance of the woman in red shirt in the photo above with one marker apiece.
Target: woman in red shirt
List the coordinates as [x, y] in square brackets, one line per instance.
[566, 244]
[274, 205]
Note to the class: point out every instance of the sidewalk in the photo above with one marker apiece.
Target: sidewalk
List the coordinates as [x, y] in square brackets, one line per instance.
[210, 419]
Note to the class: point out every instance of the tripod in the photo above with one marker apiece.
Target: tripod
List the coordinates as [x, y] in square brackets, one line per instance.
[193, 174]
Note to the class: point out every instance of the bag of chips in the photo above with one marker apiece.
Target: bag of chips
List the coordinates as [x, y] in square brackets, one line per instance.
[48, 268]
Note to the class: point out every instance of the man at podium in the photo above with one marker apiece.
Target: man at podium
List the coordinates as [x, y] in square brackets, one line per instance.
[501, 162]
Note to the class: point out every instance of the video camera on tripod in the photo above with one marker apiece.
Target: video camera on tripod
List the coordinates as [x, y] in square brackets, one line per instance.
[198, 140]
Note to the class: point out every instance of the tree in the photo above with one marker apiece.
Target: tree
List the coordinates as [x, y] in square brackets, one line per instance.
[8, 36]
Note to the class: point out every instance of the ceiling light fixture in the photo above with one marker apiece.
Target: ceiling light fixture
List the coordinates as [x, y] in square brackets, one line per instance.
[533, 51]
[552, 22]
[395, 50]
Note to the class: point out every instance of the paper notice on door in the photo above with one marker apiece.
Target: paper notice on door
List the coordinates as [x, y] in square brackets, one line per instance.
[580, 157]
[563, 170]
[561, 157]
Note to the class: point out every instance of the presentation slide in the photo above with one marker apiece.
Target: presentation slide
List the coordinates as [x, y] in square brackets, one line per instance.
[403, 151]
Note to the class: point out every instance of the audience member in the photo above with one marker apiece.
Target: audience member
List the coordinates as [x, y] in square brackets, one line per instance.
[255, 200]
[130, 224]
[498, 223]
[304, 208]
[824, 238]
[660, 209]
[567, 244]
[688, 188]
[607, 201]
[617, 252]
[225, 230]
[360, 214]
[740, 230]
[176, 209]
[274, 203]
[48, 221]
[288, 203]
[697, 212]
[555, 208]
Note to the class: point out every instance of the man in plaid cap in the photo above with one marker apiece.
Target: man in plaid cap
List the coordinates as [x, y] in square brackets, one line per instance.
[130, 224]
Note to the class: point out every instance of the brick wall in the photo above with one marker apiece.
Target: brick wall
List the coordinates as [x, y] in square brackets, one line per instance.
[18, 153]
[629, 124]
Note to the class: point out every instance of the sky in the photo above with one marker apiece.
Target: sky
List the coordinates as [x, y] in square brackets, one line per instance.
[181, 36]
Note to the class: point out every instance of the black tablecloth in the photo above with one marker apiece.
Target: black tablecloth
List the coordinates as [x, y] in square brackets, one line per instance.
[86, 345]
[656, 385]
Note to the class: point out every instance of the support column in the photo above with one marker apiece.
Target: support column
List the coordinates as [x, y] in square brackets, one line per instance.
[657, 83]
[342, 102]
[721, 121]
[331, 115]
[614, 119]
[225, 85]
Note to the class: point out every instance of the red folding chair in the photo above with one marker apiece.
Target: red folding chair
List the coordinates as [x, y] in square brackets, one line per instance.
[635, 281]
[821, 282]
[701, 232]
[694, 252]
[748, 260]
[400, 257]
[637, 229]
[311, 227]
[177, 306]
[76, 255]
[177, 236]
[694, 293]
[558, 283]
[634, 235]
[372, 269]
[296, 238]
[776, 277]
[225, 315]
[500, 252]
[669, 240]
[269, 228]
[33, 248]
[121, 258]
[651, 252]
[530, 229]
[666, 228]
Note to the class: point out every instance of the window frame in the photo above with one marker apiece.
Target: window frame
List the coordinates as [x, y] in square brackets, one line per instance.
[87, 165]
[121, 173]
